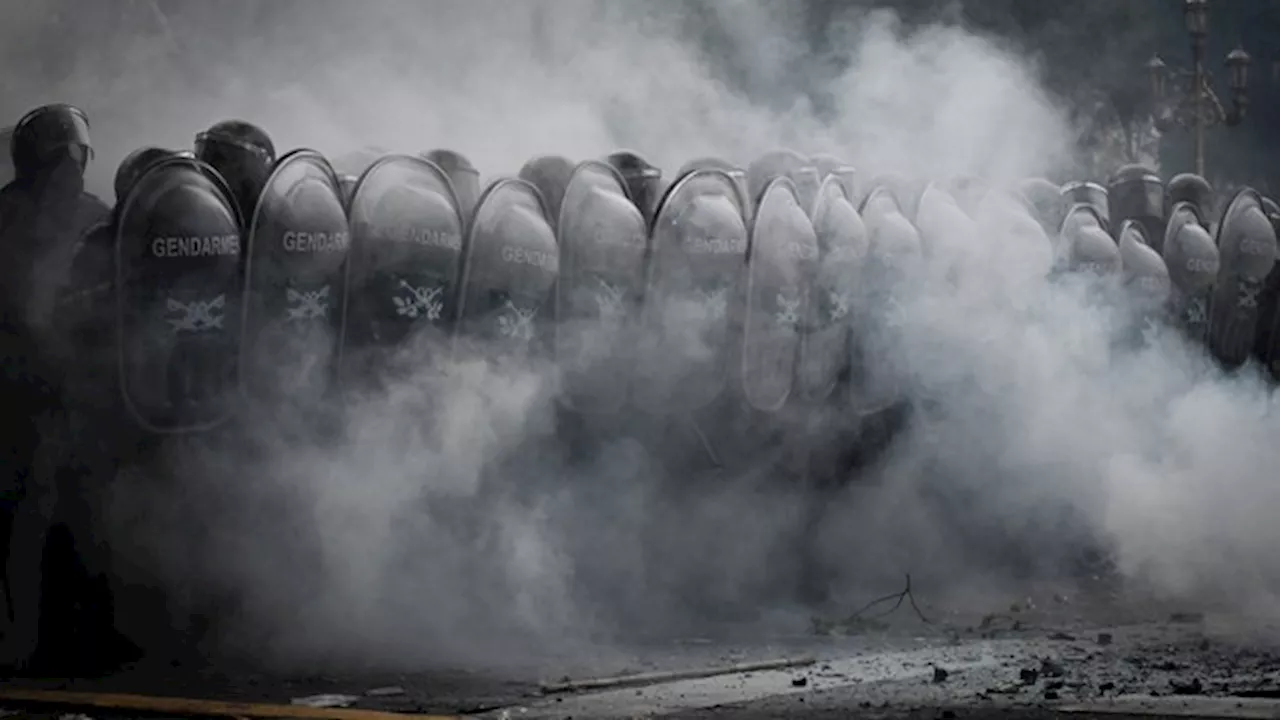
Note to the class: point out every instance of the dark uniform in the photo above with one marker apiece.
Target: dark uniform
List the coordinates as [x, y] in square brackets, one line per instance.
[44, 212]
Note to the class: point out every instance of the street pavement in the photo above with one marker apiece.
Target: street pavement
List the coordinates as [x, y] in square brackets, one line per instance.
[1045, 656]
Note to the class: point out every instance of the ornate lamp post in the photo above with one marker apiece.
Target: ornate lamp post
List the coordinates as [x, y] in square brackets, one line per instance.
[1192, 104]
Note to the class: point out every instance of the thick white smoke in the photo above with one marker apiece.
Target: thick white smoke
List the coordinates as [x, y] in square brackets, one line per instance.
[439, 522]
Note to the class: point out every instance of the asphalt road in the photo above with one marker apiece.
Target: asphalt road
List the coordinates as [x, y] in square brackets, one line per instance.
[1043, 657]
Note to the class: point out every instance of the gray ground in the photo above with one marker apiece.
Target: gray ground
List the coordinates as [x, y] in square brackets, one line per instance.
[1045, 656]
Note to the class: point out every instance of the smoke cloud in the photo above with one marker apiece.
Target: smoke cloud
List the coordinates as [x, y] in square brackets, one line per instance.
[438, 519]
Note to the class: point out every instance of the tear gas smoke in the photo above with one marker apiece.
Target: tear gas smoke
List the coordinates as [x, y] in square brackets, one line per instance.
[440, 522]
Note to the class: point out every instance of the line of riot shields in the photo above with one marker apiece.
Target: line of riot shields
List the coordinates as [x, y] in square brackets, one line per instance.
[770, 290]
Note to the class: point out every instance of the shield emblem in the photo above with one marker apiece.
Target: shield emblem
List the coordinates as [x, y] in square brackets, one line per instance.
[603, 244]
[296, 278]
[1246, 244]
[842, 249]
[404, 271]
[1192, 259]
[179, 305]
[510, 266]
[697, 268]
[894, 255]
[782, 258]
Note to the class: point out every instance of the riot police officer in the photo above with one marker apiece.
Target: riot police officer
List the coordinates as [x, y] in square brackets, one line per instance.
[243, 155]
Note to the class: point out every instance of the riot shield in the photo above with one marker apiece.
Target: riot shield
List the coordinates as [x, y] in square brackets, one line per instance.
[1136, 193]
[893, 260]
[948, 234]
[784, 163]
[782, 258]
[968, 191]
[842, 246]
[510, 266]
[1014, 236]
[296, 279]
[1046, 203]
[1085, 245]
[1246, 244]
[1145, 278]
[828, 165]
[1192, 258]
[406, 248]
[697, 264]
[603, 242]
[179, 299]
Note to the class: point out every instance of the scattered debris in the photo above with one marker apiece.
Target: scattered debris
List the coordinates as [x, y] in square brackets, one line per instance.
[325, 701]
[1104, 639]
[1029, 676]
[940, 674]
[1186, 617]
[1050, 694]
[800, 682]
[857, 621]
[1051, 668]
[1194, 687]
[390, 691]
[1062, 636]
[1106, 687]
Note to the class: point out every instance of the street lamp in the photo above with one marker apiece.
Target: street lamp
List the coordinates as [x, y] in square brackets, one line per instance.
[1194, 105]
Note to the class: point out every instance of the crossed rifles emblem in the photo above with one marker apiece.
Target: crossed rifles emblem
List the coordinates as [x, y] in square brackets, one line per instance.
[197, 315]
[516, 322]
[307, 304]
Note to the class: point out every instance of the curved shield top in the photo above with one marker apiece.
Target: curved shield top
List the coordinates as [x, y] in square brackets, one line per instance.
[178, 270]
[697, 270]
[829, 165]
[784, 163]
[1085, 246]
[783, 256]
[603, 243]
[738, 174]
[549, 174]
[842, 245]
[1146, 278]
[1046, 203]
[406, 248]
[510, 266]
[1247, 251]
[946, 231]
[296, 278]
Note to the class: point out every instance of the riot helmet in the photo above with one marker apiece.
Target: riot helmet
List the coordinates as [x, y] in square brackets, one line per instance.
[738, 175]
[464, 176]
[643, 179]
[550, 175]
[50, 147]
[136, 164]
[1192, 188]
[243, 155]
[1091, 195]
[1136, 193]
